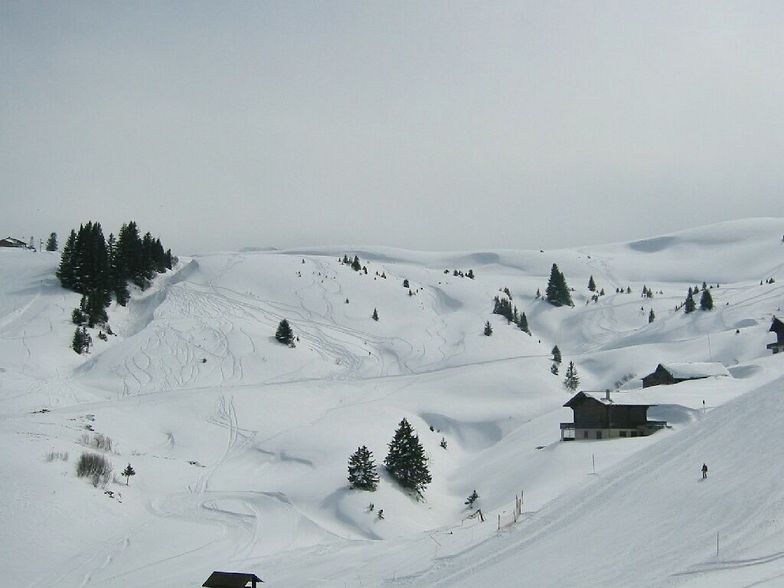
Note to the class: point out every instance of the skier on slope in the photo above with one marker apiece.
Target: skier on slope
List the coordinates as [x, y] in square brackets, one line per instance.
[704, 471]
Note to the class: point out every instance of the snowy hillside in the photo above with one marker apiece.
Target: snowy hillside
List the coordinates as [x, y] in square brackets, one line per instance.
[240, 444]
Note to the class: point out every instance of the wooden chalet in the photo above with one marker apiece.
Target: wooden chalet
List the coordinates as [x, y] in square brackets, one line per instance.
[777, 327]
[672, 373]
[231, 580]
[11, 242]
[597, 415]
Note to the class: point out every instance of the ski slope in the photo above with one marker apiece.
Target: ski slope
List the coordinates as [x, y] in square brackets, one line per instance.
[241, 444]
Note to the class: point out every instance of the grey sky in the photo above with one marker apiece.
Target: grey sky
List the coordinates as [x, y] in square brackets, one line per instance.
[426, 125]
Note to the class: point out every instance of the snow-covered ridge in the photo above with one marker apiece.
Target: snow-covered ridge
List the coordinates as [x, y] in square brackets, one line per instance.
[240, 444]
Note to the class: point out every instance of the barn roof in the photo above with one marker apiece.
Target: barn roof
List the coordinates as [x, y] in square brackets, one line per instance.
[230, 580]
[616, 399]
[690, 370]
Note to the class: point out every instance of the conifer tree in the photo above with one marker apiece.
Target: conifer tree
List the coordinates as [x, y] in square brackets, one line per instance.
[406, 461]
[77, 342]
[571, 380]
[488, 329]
[557, 292]
[375, 315]
[405, 283]
[689, 305]
[362, 472]
[706, 300]
[651, 316]
[66, 272]
[591, 284]
[554, 369]
[523, 323]
[128, 472]
[556, 354]
[285, 334]
[51, 242]
[355, 265]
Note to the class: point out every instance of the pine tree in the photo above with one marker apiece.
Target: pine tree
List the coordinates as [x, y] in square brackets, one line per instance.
[355, 265]
[405, 283]
[706, 300]
[51, 242]
[556, 354]
[554, 369]
[66, 270]
[689, 305]
[488, 329]
[591, 284]
[128, 472]
[362, 472]
[406, 461]
[651, 316]
[522, 322]
[284, 334]
[571, 381]
[77, 342]
[557, 292]
[470, 274]
[375, 315]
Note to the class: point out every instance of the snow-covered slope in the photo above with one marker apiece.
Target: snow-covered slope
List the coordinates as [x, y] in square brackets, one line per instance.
[240, 444]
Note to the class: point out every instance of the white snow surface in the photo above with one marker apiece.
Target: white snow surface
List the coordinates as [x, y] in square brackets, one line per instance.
[240, 444]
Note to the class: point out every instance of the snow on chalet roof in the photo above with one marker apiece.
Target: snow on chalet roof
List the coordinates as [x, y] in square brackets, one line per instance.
[616, 398]
[691, 370]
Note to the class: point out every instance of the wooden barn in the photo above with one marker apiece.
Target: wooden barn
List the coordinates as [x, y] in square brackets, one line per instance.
[777, 327]
[11, 242]
[672, 373]
[597, 415]
[231, 580]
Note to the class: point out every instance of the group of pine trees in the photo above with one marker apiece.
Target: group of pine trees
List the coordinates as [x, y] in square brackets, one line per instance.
[571, 379]
[406, 463]
[503, 305]
[706, 300]
[100, 269]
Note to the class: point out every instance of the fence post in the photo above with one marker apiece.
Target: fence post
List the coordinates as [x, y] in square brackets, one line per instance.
[499, 522]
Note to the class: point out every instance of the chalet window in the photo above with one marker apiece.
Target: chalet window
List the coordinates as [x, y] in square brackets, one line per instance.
[585, 434]
[634, 433]
[623, 433]
[598, 434]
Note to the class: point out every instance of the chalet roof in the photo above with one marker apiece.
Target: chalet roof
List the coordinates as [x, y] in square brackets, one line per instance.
[230, 580]
[690, 370]
[616, 399]
[776, 326]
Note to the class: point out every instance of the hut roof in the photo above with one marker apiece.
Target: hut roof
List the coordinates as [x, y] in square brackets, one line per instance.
[690, 370]
[230, 580]
[616, 399]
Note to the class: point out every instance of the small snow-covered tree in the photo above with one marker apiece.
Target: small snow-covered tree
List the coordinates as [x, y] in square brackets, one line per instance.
[689, 305]
[571, 381]
[706, 300]
[362, 472]
[556, 354]
[651, 316]
[488, 329]
[285, 334]
[51, 242]
[375, 315]
[522, 322]
[128, 472]
[554, 369]
[591, 284]
[406, 461]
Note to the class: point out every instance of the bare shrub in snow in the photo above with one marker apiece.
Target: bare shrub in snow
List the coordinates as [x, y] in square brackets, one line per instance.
[57, 455]
[99, 441]
[94, 466]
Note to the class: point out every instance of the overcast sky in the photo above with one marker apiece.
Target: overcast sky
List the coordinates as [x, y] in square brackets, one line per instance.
[424, 125]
